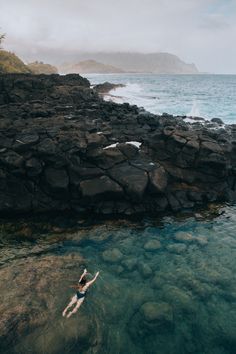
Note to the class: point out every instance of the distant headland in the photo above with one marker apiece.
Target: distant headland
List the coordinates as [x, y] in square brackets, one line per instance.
[101, 63]
[157, 63]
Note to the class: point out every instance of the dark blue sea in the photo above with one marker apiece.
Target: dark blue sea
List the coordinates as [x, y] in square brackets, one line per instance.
[207, 96]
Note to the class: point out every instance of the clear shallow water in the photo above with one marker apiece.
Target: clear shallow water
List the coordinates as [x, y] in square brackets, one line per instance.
[165, 287]
[208, 96]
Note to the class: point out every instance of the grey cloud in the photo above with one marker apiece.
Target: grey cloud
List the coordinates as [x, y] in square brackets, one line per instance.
[43, 30]
[215, 22]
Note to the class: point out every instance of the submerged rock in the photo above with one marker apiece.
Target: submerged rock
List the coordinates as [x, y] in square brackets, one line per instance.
[145, 269]
[202, 241]
[161, 313]
[152, 318]
[130, 264]
[157, 281]
[112, 255]
[177, 248]
[152, 245]
[180, 300]
[184, 237]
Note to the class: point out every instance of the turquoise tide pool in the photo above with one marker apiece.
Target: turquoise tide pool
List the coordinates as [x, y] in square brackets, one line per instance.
[166, 286]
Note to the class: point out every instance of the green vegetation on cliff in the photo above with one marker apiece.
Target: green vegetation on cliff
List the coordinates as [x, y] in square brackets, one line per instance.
[42, 68]
[10, 63]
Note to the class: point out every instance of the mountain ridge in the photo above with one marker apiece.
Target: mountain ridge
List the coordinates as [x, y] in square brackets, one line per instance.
[89, 66]
[157, 63]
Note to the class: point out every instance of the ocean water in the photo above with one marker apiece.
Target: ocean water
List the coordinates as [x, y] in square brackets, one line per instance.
[165, 287]
[207, 96]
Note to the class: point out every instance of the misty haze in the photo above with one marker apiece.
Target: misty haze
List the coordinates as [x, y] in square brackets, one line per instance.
[200, 32]
[118, 177]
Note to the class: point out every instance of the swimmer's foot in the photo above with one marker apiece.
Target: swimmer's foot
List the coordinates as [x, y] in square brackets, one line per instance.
[64, 313]
[69, 314]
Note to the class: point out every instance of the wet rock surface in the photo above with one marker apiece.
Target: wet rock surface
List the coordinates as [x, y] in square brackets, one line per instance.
[63, 148]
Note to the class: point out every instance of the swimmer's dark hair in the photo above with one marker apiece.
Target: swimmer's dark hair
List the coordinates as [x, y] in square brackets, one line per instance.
[83, 281]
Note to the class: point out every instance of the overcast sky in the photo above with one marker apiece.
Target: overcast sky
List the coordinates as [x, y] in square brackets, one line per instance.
[198, 31]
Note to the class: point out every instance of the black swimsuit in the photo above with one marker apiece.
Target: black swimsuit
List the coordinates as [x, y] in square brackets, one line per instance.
[80, 295]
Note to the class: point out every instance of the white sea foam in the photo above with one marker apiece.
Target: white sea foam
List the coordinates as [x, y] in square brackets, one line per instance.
[134, 143]
[195, 112]
[128, 93]
[135, 94]
[110, 146]
[207, 96]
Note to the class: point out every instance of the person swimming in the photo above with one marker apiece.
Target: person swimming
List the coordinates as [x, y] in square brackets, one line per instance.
[81, 289]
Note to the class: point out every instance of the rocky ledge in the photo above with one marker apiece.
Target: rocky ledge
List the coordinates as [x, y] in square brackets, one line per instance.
[63, 148]
[106, 87]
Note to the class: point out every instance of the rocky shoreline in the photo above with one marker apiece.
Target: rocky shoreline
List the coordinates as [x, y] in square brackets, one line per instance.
[62, 147]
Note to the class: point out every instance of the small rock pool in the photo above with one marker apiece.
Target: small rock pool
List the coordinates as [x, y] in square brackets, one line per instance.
[165, 287]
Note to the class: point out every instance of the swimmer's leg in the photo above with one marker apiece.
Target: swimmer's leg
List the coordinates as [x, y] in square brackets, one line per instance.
[79, 303]
[73, 301]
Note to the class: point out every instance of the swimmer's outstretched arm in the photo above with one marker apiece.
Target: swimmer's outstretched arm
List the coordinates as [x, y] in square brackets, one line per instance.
[91, 281]
[84, 273]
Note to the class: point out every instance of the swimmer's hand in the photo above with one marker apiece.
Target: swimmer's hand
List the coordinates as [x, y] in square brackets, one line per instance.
[97, 274]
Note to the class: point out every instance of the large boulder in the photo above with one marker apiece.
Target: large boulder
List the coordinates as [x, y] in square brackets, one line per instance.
[100, 188]
[11, 159]
[95, 140]
[107, 158]
[56, 179]
[158, 179]
[133, 180]
[33, 167]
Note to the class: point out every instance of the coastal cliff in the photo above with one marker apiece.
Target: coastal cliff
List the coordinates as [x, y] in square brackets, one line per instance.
[42, 68]
[156, 63]
[63, 148]
[89, 67]
[11, 64]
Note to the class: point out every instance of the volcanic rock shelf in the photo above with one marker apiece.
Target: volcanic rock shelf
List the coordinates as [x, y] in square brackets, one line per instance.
[63, 148]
